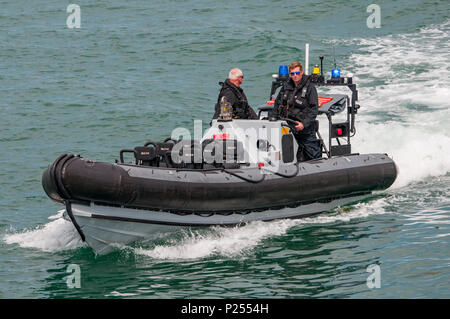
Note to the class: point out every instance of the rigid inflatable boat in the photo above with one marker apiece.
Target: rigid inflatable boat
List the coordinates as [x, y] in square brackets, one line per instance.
[239, 171]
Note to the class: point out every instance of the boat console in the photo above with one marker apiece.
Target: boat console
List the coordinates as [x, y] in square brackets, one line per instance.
[234, 143]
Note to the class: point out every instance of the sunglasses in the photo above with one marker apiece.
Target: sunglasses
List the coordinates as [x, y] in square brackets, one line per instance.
[294, 73]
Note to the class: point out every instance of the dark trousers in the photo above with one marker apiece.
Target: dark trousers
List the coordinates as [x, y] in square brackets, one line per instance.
[308, 146]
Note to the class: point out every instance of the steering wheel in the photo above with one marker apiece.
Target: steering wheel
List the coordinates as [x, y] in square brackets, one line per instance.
[289, 123]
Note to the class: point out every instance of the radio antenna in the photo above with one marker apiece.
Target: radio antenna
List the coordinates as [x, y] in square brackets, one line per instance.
[334, 56]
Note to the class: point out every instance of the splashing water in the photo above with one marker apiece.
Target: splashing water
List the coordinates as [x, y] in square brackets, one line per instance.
[237, 241]
[57, 235]
[405, 100]
[60, 235]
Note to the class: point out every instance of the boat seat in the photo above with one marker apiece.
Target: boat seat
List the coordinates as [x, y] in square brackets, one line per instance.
[163, 151]
[145, 155]
[187, 155]
[222, 153]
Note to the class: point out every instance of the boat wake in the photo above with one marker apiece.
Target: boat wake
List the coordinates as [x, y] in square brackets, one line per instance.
[404, 99]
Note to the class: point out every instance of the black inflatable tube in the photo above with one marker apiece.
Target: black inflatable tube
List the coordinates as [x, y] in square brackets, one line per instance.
[198, 191]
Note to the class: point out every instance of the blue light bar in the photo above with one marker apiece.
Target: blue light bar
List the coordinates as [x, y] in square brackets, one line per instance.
[283, 70]
[336, 73]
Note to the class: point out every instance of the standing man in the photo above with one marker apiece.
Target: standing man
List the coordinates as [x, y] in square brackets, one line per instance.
[298, 101]
[232, 90]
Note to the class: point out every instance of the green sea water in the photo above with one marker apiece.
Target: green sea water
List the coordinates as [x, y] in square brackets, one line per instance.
[136, 70]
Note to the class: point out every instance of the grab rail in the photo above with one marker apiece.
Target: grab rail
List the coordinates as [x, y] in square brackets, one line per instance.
[127, 151]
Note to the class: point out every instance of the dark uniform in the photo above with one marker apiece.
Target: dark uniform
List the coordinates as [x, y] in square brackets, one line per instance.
[236, 96]
[300, 103]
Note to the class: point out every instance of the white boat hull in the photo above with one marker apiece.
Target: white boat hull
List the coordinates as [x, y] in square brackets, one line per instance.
[107, 228]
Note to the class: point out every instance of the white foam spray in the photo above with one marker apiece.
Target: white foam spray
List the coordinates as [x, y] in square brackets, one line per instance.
[57, 235]
[405, 97]
[238, 241]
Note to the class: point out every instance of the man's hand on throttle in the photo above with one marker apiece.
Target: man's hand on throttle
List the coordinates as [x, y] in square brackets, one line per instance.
[299, 126]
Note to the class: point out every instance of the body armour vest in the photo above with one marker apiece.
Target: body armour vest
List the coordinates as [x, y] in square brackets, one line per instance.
[240, 106]
[294, 103]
